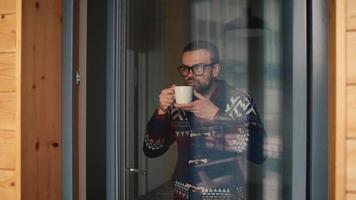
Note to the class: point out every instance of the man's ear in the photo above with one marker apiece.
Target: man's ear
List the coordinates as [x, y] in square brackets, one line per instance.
[216, 70]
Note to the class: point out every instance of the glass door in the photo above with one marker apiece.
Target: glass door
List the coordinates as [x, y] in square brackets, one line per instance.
[243, 136]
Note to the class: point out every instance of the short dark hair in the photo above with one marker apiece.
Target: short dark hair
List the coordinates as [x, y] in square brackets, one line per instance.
[203, 44]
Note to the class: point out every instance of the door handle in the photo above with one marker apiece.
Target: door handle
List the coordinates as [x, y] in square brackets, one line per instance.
[137, 171]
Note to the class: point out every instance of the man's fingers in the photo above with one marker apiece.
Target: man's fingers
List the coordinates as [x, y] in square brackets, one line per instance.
[184, 105]
[168, 101]
[197, 94]
[167, 96]
[168, 91]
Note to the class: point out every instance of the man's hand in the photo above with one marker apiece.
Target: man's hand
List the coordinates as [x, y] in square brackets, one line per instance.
[166, 99]
[202, 108]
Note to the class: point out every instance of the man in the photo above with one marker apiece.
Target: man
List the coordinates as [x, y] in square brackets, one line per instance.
[214, 133]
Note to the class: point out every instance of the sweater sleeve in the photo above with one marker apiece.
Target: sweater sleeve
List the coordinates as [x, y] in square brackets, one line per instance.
[159, 135]
[243, 131]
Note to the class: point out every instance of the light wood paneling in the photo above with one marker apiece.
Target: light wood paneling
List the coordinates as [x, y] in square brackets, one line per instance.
[7, 149]
[337, 100]
[18, 71]
[351, 165]
[40, 100]
[7, 111]
[7, 185]
[350, 196]
[351, 56]
[7, 72]
[351, 111]
[8, 33]
[351, 14]
[7, 137]
[7, 6]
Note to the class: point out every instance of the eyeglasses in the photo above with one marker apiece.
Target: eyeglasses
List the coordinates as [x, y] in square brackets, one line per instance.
[197, 69]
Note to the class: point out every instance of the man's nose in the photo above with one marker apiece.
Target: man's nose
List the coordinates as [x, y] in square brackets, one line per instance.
[190, 73]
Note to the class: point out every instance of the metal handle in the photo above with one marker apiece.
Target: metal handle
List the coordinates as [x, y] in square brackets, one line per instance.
[137, 171]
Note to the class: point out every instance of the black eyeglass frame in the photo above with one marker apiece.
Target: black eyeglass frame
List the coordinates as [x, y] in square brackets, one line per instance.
[191, 68]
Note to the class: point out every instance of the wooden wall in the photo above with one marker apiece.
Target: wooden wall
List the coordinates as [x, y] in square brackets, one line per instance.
[9, 133]
[350, 99]
[30, 69]
[342, 86]
[40, 99]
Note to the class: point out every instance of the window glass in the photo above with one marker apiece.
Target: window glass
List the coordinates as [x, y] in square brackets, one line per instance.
[234, 140]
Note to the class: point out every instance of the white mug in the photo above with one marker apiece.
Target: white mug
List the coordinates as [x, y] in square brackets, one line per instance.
[183, 94]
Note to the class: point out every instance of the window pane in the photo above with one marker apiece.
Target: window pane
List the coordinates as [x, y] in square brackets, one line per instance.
[250, 86]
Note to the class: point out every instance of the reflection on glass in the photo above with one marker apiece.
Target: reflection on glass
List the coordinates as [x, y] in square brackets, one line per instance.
[228, 142]
[215, 133]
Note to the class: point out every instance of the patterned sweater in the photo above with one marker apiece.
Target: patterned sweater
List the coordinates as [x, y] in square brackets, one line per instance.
[211, 153]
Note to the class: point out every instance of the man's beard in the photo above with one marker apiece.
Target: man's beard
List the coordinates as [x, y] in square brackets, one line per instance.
[202, 89]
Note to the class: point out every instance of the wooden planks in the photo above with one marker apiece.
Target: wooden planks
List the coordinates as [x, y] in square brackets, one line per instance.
[7, 6]
[351, 100]
[7, 184]
[351, 15]
[7, 111]
[351, 57]
[40, 99]
[7, 72]
[351, 111]
[7, 149]
[337, 99]
[351, 165]
[9, 171]
[350, 196]
[7, 33]
[18, 73]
